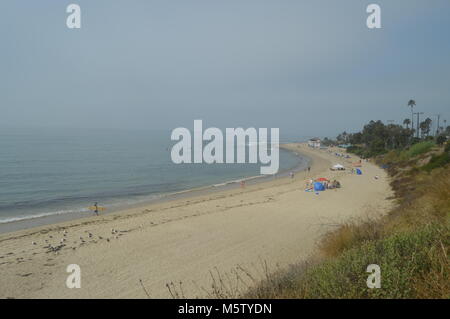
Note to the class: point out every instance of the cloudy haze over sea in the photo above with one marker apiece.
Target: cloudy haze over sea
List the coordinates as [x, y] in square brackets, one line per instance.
[309, 67]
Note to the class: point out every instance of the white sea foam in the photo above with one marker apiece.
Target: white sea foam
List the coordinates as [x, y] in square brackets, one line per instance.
[28, 217]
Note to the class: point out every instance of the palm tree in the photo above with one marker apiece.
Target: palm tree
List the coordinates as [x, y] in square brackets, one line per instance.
[412, 103]
[425, 127]
[407, 122]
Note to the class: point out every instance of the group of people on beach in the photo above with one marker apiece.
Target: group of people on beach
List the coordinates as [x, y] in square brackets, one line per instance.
[332, 185]
[327, 184]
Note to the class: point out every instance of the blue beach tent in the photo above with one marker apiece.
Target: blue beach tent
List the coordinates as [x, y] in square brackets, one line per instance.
[358, 171]
[318, 187]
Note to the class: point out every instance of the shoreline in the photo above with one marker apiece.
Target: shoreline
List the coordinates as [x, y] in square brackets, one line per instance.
[55, 218]
[182, 240]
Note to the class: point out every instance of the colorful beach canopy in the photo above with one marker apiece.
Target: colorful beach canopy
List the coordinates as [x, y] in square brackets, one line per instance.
[322, 179]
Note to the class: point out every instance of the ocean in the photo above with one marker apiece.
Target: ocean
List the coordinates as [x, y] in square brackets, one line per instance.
[48, 172]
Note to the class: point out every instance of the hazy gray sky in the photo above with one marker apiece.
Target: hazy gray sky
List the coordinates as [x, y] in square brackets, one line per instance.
[311, 67]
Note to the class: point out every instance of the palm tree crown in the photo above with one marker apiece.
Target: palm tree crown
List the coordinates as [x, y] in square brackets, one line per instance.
[407, 122]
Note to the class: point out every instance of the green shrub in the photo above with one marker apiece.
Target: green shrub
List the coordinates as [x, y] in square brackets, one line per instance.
[404, 260]
[441, 139]
[447, 147]
[355, 149]
[437, 161]
[417, 149]
[366, 152]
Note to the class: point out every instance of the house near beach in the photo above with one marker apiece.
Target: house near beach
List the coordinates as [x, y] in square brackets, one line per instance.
[314, 142]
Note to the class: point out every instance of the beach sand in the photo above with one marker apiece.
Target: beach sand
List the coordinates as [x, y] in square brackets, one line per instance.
[183, 240]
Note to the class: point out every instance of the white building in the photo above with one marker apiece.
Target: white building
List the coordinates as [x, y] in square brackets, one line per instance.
[314, 142]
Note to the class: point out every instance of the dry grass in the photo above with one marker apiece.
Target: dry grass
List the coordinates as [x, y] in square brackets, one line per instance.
[436, 282]
[233, 284]
[350, 234]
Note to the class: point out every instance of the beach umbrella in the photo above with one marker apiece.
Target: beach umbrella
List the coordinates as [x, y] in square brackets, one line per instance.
[322, 179]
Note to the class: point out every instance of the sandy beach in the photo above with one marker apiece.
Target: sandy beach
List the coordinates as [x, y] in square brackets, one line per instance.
[275, 222]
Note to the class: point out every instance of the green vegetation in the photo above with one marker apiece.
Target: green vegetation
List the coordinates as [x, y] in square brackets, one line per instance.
[416, 149]
[410, 243]
[411, 263]
[438, 160]
[432, 156]
[440, 140]
[377, 138]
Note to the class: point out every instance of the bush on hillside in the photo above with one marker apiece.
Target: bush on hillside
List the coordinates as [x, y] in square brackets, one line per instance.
[411, 265]
[437, 161]
[440, 140]
[416, 149]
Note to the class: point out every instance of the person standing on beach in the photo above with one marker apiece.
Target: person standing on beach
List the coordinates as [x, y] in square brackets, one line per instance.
[291, 174]
[309, 169]
[96, 208]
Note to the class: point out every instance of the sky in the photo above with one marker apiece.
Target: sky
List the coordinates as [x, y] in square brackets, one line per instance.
[308, 67]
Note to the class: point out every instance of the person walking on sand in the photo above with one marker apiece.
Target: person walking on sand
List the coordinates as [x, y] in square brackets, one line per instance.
[291, 174]
[309, 169]
[96, 208]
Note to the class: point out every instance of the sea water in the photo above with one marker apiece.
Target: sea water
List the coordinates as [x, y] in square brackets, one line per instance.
[45, 172]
